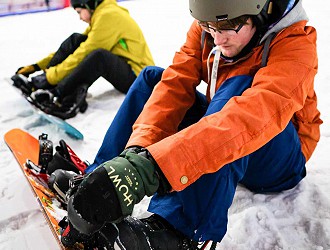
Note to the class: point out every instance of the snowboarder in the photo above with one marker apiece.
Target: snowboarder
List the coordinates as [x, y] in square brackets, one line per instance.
[257, 126]
[112, 46]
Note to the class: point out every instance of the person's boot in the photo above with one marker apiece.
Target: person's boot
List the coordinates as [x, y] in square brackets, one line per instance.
[153, 232]
[69, 106]
[62, 183]
[22, 82]
[64, 107]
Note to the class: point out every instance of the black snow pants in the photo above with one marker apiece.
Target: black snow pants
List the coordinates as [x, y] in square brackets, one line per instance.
[99, 62]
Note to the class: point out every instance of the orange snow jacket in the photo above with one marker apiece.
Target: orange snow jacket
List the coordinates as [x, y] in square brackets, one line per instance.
[281, 92]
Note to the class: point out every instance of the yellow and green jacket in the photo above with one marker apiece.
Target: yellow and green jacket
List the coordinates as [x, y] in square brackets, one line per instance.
[110, 25]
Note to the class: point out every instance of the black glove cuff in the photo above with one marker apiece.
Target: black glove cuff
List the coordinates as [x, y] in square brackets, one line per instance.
[36, 67]
[164, 186]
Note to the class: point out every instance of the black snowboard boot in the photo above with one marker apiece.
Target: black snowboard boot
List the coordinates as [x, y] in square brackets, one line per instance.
[153, 232]
[64, 183]
[22, 82]
[65, 107]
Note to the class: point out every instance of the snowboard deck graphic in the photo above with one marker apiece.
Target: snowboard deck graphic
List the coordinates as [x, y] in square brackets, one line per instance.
[60, 123]
[25, 148]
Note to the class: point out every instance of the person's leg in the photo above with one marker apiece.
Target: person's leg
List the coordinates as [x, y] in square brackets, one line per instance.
[120, 129]
[98, 63]
[67, 47]
[279, 170]
[200, 211]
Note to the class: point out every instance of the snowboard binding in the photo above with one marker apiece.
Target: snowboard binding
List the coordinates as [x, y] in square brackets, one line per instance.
[45, 152]
[61, 172]
[63, 107]
[45, 156]
[65, 158]
[131, 233]
[35, 170]
[22, 82]
[64, 184]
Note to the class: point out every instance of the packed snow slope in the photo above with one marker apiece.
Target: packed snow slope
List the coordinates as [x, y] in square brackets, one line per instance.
[295, 219]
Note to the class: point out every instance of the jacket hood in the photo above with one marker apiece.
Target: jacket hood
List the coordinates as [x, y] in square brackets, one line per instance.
[296, 14]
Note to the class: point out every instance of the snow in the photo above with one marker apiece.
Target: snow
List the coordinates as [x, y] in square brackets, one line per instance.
[294, 219]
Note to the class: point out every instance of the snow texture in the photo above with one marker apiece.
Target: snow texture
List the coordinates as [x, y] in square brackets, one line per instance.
[294, 219]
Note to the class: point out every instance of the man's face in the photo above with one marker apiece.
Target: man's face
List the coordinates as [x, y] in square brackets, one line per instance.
[230, 42]
[84, 14]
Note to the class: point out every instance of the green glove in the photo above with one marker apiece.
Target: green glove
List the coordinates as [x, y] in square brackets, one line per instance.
[133, 177]
[109, 193]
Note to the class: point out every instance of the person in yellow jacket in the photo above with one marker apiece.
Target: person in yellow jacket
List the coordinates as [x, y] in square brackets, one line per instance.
[257, 126]
[112, 46]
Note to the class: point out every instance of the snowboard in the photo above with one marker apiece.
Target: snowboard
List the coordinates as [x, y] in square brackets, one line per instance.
[44, 117]
[25, 149]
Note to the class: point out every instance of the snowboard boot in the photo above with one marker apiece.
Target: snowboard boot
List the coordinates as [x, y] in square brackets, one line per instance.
[50, 102]
[63, 184]
[68, 106]
[22, 82]
[153, 232]
[77, 101]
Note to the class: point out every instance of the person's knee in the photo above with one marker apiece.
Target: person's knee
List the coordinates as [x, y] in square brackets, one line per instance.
[97, 54]
[97, 60]
[151, 75]
[146, 80]
[77, 37]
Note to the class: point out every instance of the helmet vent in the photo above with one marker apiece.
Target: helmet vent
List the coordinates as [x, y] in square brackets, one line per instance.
[222, 17]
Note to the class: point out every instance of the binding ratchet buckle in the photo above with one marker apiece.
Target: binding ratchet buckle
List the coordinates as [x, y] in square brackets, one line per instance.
[45, 152]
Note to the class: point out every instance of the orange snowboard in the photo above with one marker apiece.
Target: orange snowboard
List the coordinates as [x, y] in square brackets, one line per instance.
[25, 147]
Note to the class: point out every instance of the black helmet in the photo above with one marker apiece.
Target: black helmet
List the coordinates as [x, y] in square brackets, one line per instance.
[264, 12]
[87, 4]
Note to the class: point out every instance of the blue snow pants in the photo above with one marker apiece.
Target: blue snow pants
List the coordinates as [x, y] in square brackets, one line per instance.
[200, 211]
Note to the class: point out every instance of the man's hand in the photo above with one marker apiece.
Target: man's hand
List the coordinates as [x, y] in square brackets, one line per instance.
[109, 193]
[27, 70]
